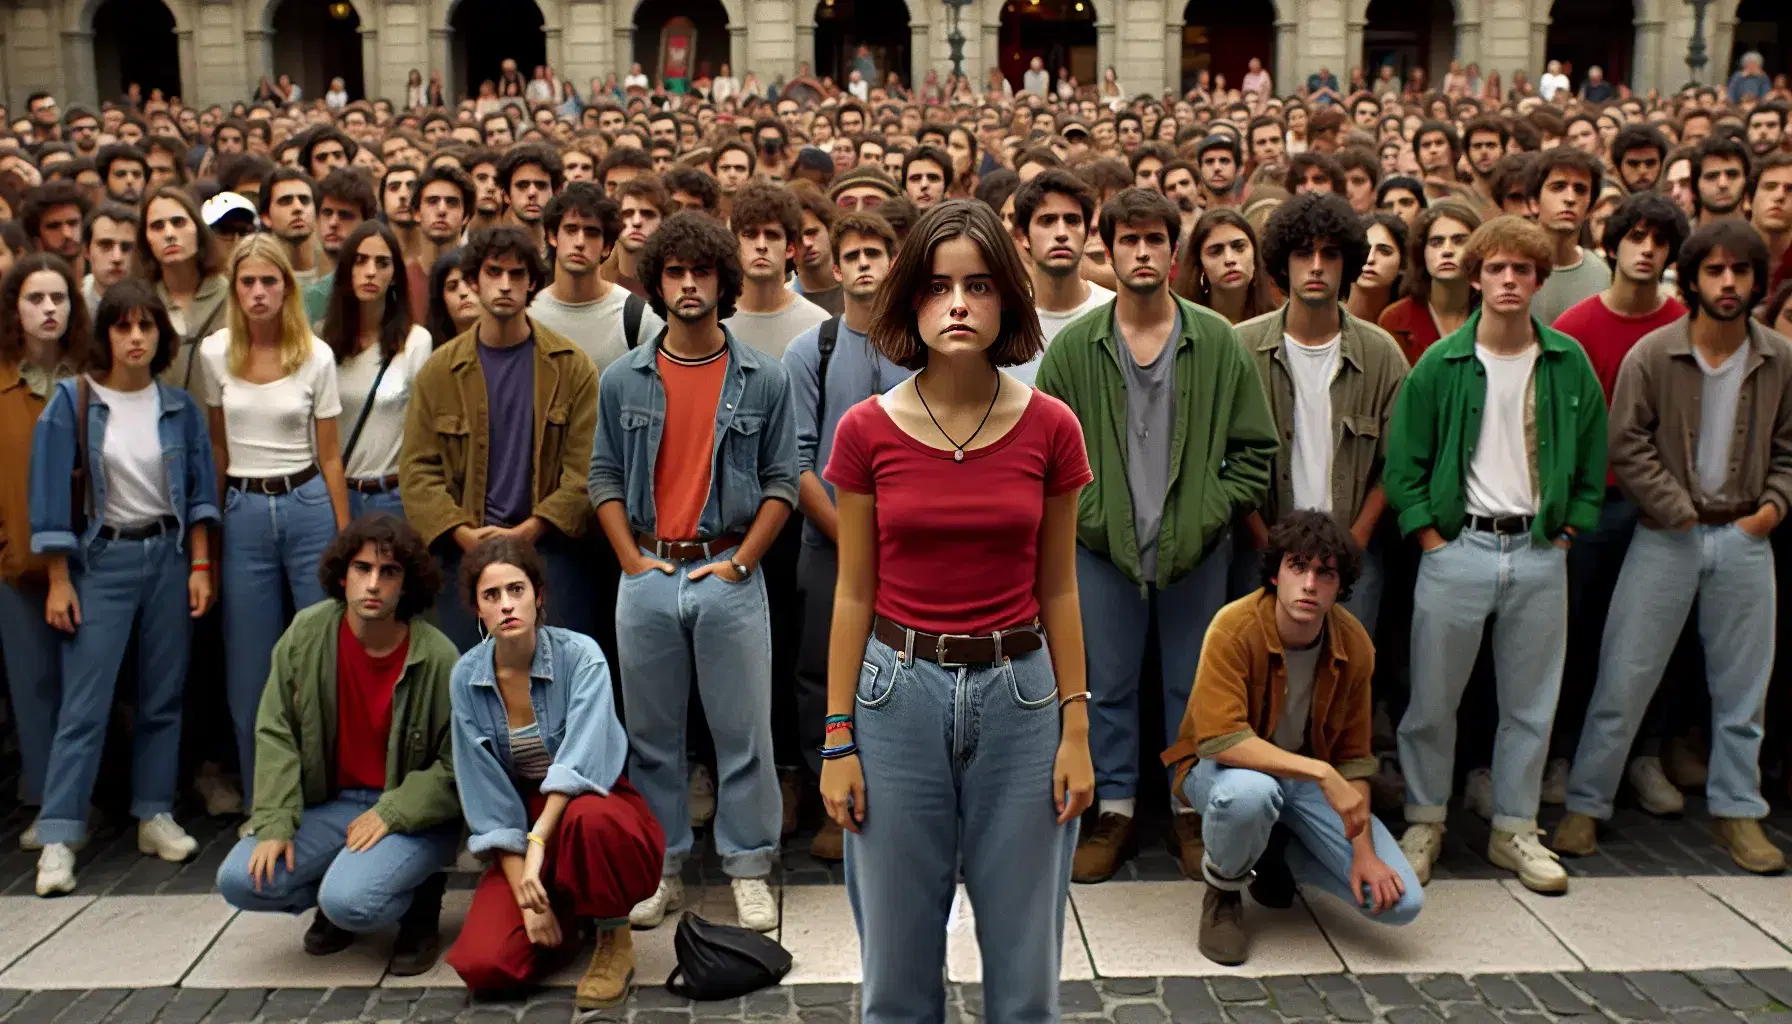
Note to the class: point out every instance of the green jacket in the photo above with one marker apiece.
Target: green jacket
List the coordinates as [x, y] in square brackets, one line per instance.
[295, 730]
[1220, 455]
[1437, 423]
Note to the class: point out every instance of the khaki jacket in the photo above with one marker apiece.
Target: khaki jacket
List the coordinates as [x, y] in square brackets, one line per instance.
[207, 314]
[23, 392]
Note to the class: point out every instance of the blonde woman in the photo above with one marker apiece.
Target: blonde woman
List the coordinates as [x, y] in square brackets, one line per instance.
[179, 259]
[269, 386]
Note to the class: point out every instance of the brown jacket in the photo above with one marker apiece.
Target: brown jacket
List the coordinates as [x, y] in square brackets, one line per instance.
[443, 471]
[1242, 683]
[22, 398]
[1655, 429]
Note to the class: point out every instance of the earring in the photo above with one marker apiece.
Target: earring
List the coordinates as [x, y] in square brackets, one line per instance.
[483, 635]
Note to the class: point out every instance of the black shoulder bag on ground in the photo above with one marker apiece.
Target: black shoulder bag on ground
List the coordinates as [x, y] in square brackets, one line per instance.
[719, 961]
[361, 421]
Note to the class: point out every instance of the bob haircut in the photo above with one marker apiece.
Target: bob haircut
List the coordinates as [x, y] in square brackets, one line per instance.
[1735, 237]
[342, 320]
[205, 243]
[1508, 233]
[502, 551]
[12, 333]
[1312, 536]
[391, 536]
[1396, 229]
[699, 240]
[295, 330]
[120, 301]
[894, 329]
[439, 322]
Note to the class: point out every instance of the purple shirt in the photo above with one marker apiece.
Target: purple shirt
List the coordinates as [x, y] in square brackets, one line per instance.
[510, 424]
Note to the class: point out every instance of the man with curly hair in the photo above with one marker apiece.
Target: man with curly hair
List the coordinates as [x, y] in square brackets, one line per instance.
[768, 223]
[693, 476]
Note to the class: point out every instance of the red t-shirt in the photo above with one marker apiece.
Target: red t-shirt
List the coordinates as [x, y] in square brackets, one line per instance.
[1608, 337]
[681, 467]
[364, 687]
[958, 542]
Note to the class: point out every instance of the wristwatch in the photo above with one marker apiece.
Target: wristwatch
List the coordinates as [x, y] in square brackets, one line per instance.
[740, 570]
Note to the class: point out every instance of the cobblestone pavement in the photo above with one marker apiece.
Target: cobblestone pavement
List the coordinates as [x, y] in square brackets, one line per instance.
[1703, 997]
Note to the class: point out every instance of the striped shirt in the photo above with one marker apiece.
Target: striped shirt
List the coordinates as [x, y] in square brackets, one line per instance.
[529, 759]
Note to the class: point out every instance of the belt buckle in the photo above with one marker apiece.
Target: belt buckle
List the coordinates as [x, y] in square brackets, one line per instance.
[939, 652]
[660, 546]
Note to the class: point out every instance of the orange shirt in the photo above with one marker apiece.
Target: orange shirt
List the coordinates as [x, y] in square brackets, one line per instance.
[686, 457]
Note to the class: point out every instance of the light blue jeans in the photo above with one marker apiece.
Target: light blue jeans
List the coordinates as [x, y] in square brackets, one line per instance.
[1731, 575]
[124, 584]
[272, 544]
[668, 629]
[33, 653]
[359, 892]
[360, 504]
[1116, 619]
[1240, 807]
[1522, 585]
[958, 775]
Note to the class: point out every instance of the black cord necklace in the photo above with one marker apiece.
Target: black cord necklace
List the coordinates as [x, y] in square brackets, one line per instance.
[958, 449]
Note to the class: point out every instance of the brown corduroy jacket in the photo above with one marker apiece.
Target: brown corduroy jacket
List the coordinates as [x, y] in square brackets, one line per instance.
[22, 398]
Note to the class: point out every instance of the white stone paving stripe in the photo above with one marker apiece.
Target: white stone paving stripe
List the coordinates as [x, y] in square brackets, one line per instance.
[964, 957]
[123, 942]
[1766, 902]
[267, 951]
[1149, 929]
[1467, 927]
[26, 921]
[1651, 924]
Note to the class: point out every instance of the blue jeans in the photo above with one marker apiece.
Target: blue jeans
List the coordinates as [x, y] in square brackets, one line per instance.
[1116, 619]
[1523, 586]
[1731, 575]
[1593, 566]
[272, 544]
[359, 892]
[123, 584]
[359, 504]
[958, 774]
[568, 586]
[1238, 809]
[33, 653]
[667, 629]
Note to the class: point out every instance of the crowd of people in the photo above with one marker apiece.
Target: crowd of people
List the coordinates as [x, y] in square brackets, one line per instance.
[458, 450]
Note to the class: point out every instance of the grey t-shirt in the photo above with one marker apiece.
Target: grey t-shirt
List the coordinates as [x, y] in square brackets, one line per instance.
[510, 424]
[1567, 286]
[596, 327]
[1720, 391]
[1150, 423]
[772, 333]
[1297, 705]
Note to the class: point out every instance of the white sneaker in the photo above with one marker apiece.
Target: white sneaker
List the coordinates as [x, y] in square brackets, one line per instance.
[651, 911]
[161, 837]
[755, 904]
[1421, 844]
[1477, 793]
[1654, 791]
[56, 870]
[1555, 782]
[702, 796]
[1538, 867]
[221, 796]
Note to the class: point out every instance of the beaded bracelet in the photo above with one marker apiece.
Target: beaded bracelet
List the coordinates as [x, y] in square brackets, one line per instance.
[835, 753]
[834, 727]
[839, 719]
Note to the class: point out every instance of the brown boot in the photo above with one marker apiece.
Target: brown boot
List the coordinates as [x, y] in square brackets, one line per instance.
[790, 787]
[829, 844]
[1749, 846]
[1186, 843]
[1576, 836]
[606, 980]
[1100, 853]
[1223, 939]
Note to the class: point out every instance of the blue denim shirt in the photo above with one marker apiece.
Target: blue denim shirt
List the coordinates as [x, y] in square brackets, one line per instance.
[186, 454]
[754, 452]
[569, 687]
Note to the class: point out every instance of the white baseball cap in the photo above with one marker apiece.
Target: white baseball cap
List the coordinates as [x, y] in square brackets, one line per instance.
[223, 205]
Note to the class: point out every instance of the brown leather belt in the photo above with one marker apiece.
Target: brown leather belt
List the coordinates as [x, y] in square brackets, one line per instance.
[1719, 518]
[374, 484]
[952, 649]
[272, 485]
[688, 550]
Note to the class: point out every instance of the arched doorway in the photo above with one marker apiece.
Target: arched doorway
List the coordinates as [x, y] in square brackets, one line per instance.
[1583, 33]
[1222, 37]
[679, 39]
[315, 41]
[1764, 26]
[489, 32]
[134, 41]
[1407, 34]
[842, 26]
[1059, 32]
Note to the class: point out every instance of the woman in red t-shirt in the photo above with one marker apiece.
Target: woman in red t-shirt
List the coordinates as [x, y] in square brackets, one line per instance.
[955, 735]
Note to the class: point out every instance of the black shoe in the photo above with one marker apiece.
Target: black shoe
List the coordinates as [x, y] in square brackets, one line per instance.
[1274, 884]
[419, 942]
[324, 938]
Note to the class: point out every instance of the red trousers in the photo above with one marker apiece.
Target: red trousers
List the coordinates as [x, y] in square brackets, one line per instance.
[604, 858]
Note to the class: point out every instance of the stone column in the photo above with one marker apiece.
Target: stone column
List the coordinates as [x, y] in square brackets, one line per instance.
[1353, 51]
[370, 62]
[1468, 43]
[441, 55]
[79, 79]
[991, 51]
[258, 57]
[920, 53]
[1649, 70]
[622, 50]
[556, 49]
[805, 46]
[1287, 53]
[1172, 58]
[738, 52]
[1538, 59]
[189, 67]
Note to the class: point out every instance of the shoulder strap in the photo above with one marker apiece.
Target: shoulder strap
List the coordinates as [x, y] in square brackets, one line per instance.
[83, 493]
[632, 308]
[828, 337]
[366, 408]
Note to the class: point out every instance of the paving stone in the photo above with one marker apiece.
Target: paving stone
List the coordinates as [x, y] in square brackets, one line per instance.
[1190, 1002]
[43, 1007]
[488, 1013]
[1776, 983]
[1555, 996]
[1139, 1013]
[1715, 976]
[806, 1014]
[768, 1002]
[1705, 1016]
[1503, 993]
[549, 1011]
[390, 1004]
[1740, 995]
[1672, 991]
[1471, 1013]
[1132, 987]
[95, 1004]
[1447, 987]
[191, 1005]
[1253, 1015]
[1390, 990]
[823, 995]
[11, 997]
[1229, 989]
[1348, 1005]
[341, 1004]
[141, 1007]
[290, 1004]
[1081, 997]
[1615, 997]
[439, 1004]
[718, 1008]
[658, 997]
[1294, 997]
[1412, 1015]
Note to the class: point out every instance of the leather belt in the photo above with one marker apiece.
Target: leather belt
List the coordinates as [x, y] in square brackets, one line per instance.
[374, 484]
[1499, 524]
[166, 524]
[952, 649]
[272, 485]
[1720, 518]
[688, 550]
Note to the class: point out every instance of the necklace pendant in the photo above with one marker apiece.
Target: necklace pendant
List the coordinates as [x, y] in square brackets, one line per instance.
[958, 455]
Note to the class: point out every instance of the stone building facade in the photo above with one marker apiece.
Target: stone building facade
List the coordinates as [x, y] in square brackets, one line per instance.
[216, 51]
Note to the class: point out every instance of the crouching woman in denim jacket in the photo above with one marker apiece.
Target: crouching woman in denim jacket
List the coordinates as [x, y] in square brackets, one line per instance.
[538, 755]
[135, 554]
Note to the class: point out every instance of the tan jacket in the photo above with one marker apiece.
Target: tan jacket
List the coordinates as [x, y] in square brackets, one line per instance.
[22, 398]
[206, 314]
[442, 469]
[1655, 429]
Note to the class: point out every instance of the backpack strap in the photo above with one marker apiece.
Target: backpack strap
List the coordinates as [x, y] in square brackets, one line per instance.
[828, 337]
[80, 507]
[632, 308]
[361, 420]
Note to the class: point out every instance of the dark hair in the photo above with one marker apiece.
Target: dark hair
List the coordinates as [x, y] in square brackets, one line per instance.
[1301, 222]
[115, 152]
[1487, 123]
[733, 145]
[1190, 281]
[1313, 537]
[1772, 161]
[865, 225]
[934, 155]
[1638, 136]
[235, 168]
[41, 199]
[392, 536]
[1564, 158]
[587, 199]
[901, 213]
[1132, 205]
[504, 550]
[1770, 311]
[125, 297]
[1298, 164]
[209, 258]
[353, 186]
[1734, 237]
[1396, 229]
[438, 320]
[1721, 147]
[322, 134]
[1658, 212]
[1449, 134]
[696, 182]
[461, 180]
[171, 145]
[1049, 181]
[503, 240]
[1041, 155]
[12, 333]
[342, 320]
[118, 213]
[759, 203]
[894, 330]
[279, 175]
[1418, 276]
[539, 154]
[1150, 151]
[1512, 173]
[700, 240]
[1402, 183]
[644, 186]
[1109, 175]
[1360, 158]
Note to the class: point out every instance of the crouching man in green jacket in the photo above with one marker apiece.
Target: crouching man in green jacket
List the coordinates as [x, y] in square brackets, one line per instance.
[355, 811]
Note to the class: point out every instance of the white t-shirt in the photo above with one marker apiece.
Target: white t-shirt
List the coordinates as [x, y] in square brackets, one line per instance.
[596, 327]
[1499, 474]
[1549, 85]
[1720, 392]
[1050, 323]
[136, 476]
[335, 99]
[772, 333]
[1310, 464]
[267, 427]
[634, 81]
[376, 453]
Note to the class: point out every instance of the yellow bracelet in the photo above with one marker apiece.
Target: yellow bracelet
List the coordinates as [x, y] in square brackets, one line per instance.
[538, 841]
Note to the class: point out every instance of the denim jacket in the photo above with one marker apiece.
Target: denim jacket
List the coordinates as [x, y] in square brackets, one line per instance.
[186, 455]
[569, 687]
[754, 453]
